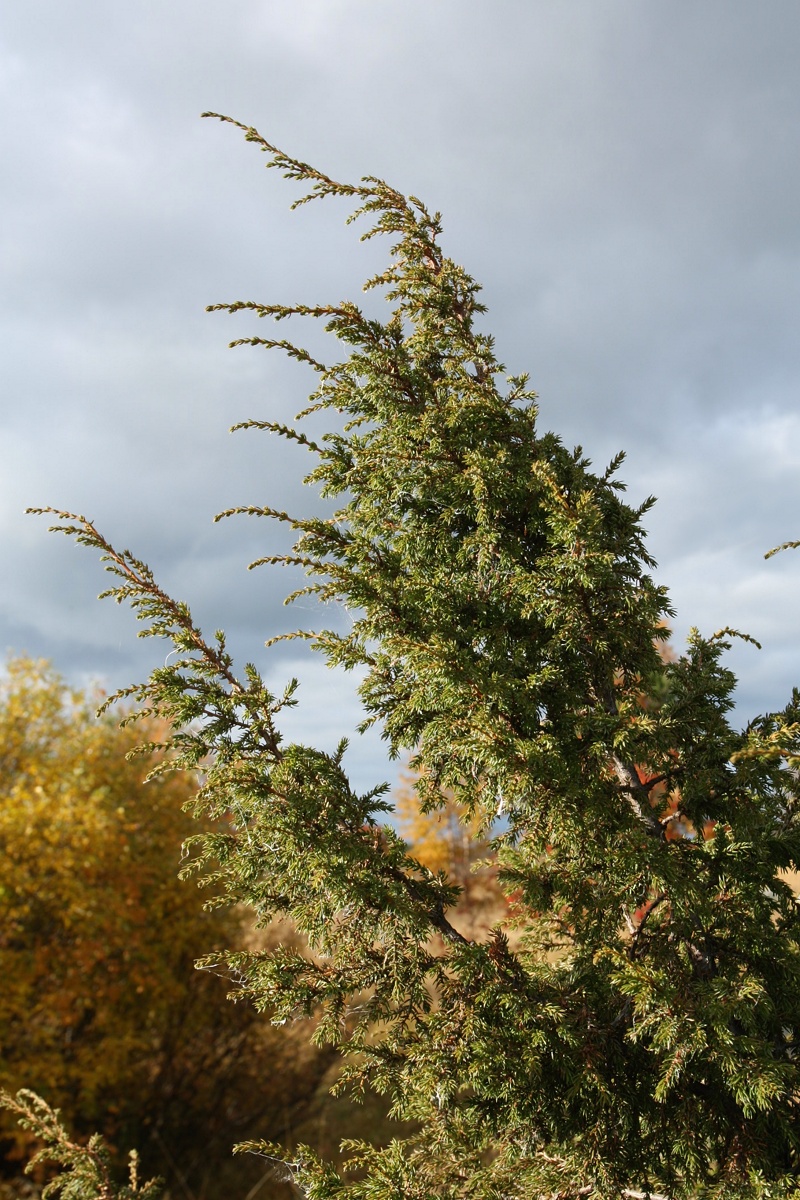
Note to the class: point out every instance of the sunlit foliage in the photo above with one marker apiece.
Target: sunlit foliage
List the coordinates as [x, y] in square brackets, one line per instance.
[101, 1008]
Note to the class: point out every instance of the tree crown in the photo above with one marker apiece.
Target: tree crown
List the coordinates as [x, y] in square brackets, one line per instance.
[635, 1033]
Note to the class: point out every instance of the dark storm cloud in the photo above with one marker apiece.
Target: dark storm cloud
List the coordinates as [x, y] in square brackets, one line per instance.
[623, 178]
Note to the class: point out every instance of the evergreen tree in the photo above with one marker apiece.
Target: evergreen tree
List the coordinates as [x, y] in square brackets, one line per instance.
[638, 1036]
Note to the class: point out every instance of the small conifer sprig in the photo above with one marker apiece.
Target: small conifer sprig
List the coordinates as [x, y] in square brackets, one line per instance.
[636, 1033]
[85, 1167]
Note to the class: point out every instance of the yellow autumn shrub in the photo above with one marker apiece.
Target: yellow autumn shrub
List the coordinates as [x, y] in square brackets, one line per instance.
[101, 1009]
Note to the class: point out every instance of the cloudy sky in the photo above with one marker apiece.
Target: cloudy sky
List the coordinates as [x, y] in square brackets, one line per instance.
[622, 176]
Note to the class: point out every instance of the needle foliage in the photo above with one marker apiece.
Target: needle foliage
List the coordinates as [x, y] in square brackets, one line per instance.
[634, 1033]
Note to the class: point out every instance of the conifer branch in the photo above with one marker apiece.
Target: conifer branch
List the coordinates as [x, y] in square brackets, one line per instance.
[145, 595]
[86, 1166]
[783, 546]
[727, 632]
[154, 604]
[280, 344]
[293, 168]
[276, 427]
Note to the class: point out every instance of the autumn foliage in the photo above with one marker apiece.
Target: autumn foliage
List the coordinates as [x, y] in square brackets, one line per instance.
[450, 841]
[101, 1008]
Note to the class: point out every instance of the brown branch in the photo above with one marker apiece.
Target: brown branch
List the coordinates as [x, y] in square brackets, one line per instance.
[434, 915]
[636, 792]
[637, 932]
[637, 795]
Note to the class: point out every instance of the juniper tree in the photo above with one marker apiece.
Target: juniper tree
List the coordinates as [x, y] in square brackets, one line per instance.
[634, 1033]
